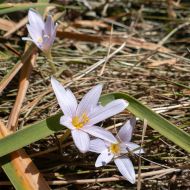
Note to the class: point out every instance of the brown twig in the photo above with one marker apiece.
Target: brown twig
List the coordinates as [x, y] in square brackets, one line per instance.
[23, 86]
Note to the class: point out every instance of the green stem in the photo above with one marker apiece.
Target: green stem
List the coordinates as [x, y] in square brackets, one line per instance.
[51, 63]
[64, 136]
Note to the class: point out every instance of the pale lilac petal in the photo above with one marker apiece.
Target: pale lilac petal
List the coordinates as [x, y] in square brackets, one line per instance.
[126, 168]
[90, 100]
[123, 148]
[53, 35]
[72, 98]
[35, 20]
[49, 26]
[132, 146]
[67, 122]
[125, 133]
[104, 158]
[97, 145]
[81, 140]
[96, 108]
[100, 133]
[107, 111]
[46, 46]
[33, 34]
[64, 98]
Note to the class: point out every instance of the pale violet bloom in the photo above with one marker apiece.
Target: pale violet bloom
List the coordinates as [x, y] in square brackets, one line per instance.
[118, 151]
[81, 118]
[41, 33]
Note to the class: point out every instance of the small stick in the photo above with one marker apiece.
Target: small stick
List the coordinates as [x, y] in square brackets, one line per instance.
[23, 86]
[142, 141]
[99, 180]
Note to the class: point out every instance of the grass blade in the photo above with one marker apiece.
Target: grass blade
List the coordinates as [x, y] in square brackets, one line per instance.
[47, 127]
[20, 169]
[13, 7]
[30, 134]
[164, 127]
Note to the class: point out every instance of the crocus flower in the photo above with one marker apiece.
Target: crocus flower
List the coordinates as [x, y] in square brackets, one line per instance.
[81, 118]
[41, 33]
[118, 150]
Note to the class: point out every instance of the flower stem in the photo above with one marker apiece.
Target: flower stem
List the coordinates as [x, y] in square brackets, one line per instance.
[65, 136]
[51, 63]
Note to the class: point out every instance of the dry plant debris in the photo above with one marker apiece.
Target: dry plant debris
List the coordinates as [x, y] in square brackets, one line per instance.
[153, 66]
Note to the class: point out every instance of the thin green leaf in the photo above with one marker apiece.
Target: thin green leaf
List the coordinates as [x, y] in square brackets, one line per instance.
[41, 9]
[30, 134]
[13, 7]
[5, 163]
[164, 127]
[49, 126]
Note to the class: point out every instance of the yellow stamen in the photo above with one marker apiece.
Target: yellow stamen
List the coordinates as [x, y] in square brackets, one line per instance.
[39, 40]
[79, 122]
[114, 148]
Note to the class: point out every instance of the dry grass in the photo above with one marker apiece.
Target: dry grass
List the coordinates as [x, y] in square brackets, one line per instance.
[158, 79]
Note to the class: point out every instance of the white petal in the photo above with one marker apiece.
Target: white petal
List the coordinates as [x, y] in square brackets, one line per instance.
[27, 39]
[33, 34]
[100, 133]
[104, 158]
[125, 133]
[81, 140]
[67, 122]
[49, 26]
[65, 98]
[123, 148]
[107, 111]
[72, 98]
[46, 46]
[126, 168]
[96, 108]
[53, 34]
[90, 100]
[35, 20]
[97, 145]
[132, 146]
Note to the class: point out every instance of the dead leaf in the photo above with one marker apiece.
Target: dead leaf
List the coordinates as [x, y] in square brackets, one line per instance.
[130, 42]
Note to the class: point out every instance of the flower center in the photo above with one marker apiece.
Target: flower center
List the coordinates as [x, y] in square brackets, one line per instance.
[79, 122]
[40, 40]
[114, 148]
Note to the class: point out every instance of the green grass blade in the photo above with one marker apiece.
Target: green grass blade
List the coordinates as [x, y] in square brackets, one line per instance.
[41, 9]
[164, 127]
[30, 134]
[11, 172]
[47, 127]
[13, 7]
